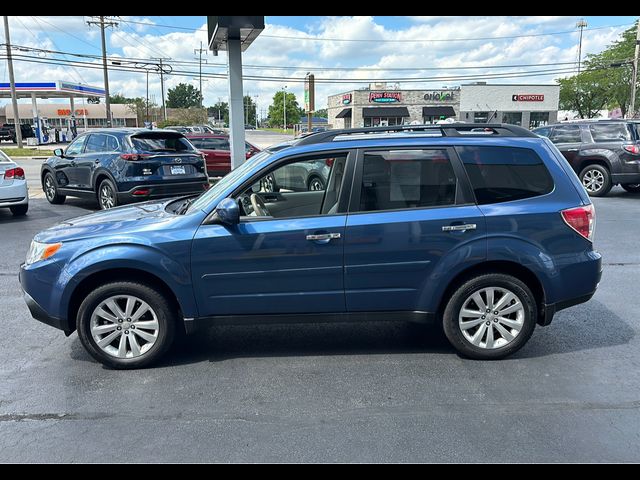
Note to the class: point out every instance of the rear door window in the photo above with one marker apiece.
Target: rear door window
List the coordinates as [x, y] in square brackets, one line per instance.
[566, 134]
[400, 179]
[610, 132]
[503, 174]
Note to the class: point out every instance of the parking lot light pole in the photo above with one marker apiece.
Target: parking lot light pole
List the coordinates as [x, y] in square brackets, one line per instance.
[284, 106]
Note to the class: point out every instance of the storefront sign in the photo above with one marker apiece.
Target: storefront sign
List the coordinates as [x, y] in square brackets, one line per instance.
[67, 111]
[528, 98]
[385, 97]
[346, 99]
[438, 96]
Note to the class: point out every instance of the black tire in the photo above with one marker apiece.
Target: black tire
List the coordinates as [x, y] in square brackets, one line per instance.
[631, 187]
[166, 316]
[598, 171]
[50, 188]
[19, 210]
[454, 332]
[107, 195]
[315, 183]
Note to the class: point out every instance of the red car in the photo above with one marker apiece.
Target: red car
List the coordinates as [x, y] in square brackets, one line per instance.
[217, 151]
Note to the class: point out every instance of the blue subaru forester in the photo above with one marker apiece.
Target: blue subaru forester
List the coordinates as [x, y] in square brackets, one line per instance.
[484, 228]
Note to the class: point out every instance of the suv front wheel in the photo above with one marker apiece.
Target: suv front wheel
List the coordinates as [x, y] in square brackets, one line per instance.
[490, 316]
[596, 180]
[126, 325]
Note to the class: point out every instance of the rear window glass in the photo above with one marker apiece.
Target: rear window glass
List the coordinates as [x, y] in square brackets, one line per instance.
[160, 143]
[566, 134]
[503, 174]
[610, 132]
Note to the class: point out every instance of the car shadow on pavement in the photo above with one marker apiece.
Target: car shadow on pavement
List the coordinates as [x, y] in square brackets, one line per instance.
[571, 330]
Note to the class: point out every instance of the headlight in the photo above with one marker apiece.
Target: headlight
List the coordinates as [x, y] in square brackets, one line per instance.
[41, 251]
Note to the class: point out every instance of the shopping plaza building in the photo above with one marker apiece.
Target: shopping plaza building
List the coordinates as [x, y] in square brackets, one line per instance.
[378, 105]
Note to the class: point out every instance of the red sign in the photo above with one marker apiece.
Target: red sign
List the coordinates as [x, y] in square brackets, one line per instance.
[67, 111]
[528, 98]
[385, 97]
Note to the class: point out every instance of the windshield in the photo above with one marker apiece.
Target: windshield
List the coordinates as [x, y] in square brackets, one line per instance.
[204, 199]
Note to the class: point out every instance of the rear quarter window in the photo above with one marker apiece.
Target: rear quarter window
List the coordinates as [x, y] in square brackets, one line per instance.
[611, 132]
[504, 174]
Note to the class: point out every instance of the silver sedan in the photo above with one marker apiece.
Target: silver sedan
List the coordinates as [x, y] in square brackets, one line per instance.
[13, 186]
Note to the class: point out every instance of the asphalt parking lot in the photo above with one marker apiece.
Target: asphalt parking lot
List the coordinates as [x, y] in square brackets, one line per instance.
[383, 391]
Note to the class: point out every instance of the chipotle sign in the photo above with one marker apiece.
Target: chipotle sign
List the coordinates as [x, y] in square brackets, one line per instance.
[528, 97]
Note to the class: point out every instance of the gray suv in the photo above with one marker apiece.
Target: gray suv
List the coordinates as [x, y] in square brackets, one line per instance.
[603, 153]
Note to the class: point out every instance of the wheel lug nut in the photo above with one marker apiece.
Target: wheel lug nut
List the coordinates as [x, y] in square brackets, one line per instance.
[484, 316]
[133, 326]
[119, 320]
[126, 332]
[488, 323]
[119, 328]
[488, 310]
[496, 312]
[495, 320]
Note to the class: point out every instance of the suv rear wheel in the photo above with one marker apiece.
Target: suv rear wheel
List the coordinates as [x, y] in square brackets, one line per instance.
[107, 197]
[126, 325]
[490, 316]
[596, 179]
[631, 187]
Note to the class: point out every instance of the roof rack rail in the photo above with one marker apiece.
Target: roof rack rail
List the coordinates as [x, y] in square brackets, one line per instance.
[445, 130]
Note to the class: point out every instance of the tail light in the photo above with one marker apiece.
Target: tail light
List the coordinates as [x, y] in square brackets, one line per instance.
[141, 192]
[634, 149]
[581, 219]
[329, 162]
[134, 157]
[14, 174]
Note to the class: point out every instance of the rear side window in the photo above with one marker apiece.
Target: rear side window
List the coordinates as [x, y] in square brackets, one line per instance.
[160, 143]
[503, 174]
[610, 132]
[211, 143]
[543, 132]
[400, 179]
[566, 134]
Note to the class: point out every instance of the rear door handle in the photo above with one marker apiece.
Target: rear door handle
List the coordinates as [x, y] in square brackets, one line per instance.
[456, 228]
[323, 236]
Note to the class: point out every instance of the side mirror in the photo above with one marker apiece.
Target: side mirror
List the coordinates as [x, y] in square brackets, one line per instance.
[58, 152]
[227, 212]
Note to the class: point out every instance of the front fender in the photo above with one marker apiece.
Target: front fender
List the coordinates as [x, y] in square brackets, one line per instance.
[144, 258]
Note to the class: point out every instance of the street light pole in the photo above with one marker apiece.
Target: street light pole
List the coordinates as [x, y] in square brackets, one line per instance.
[284, 107]
[14, 98]
[632, 107]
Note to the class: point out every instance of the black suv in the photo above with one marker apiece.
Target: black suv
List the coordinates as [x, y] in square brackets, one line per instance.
[603, 153]
[8, 132]
[117, 166]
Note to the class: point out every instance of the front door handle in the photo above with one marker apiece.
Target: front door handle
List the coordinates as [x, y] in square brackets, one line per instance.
[462, 228]
[323, 236]
[572, 149]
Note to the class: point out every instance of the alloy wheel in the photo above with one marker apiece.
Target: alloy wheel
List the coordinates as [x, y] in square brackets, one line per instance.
[491, 318]
[316, 185]
[124, 326]
[49, 188]
[107, 198]
[593, 180]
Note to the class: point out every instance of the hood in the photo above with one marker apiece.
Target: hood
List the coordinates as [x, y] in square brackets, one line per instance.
[122, 220]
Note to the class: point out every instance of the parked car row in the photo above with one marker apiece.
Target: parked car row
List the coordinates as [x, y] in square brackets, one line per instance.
[487, 232]
[196, 129]
[603, 153]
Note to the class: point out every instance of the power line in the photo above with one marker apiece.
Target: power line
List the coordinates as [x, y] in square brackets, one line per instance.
[469, 39]
[70, 34]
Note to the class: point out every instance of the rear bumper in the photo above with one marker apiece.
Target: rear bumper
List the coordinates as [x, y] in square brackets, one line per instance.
[12, 195]
[592, 273]
[629, 172]
[162, 190]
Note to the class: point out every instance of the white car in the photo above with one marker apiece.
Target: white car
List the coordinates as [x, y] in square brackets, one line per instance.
[13, 186]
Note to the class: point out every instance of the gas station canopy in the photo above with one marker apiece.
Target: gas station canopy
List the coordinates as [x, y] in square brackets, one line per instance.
[57, 89]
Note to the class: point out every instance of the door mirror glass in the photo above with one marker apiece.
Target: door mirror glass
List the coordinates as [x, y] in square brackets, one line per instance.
[58, 152]
[227, 212]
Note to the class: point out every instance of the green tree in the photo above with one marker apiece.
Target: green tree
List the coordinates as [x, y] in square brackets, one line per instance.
[137, 105]
[249, 110]
[219, 111]
[183, 95]
[605, 81]
[321, 113]
[276, 110]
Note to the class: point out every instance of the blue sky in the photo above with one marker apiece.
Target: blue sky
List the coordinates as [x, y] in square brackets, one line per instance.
[378, 47]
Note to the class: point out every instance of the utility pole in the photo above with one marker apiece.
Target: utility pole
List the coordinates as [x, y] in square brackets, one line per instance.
[105, 23]
[14, 98]
[200, 50]
[582, 24]
[634, 79]
[284, 107]
[161, 69]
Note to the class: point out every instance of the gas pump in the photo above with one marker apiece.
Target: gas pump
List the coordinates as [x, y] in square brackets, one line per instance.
[44, 130]
[73, 127]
